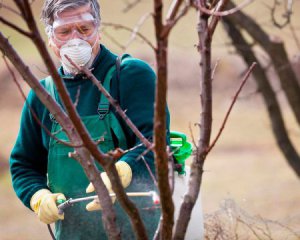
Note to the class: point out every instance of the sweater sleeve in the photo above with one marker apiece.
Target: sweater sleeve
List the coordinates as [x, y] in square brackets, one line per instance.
[28, 160]
[137, 96]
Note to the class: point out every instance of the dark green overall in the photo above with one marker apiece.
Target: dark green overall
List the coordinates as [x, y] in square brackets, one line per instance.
[65, 175]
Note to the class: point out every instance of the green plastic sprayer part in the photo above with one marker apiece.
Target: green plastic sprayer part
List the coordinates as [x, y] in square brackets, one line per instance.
[60, 201]
[181, 148]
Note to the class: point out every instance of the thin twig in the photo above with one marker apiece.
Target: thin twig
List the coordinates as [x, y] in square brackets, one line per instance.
[231, 106]
[120, 26]
[15, 27]
[77, 97]
[137, 28]
[149, 170]
[224, 13]
[58, 131]
[2, 5]
[172, 21]
[20, 5]
[174, 8]
[115, 41]
[131, 5]
[143, 153]
[286, 15]
[214, 69]
[250, 228]
[297, 235]
[192, 136]
[215, 19]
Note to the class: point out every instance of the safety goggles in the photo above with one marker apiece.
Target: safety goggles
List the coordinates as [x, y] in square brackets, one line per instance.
[83, 26]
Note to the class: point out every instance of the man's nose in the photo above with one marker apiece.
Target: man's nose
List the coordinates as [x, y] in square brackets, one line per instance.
[75, 34]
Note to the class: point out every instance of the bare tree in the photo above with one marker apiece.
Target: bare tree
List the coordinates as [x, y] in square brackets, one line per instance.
[207, 23]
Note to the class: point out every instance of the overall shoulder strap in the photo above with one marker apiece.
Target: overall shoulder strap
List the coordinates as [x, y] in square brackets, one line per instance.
[104, 107]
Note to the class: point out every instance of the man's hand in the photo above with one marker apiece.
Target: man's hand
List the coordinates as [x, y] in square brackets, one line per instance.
[125, 175]
[43, 203]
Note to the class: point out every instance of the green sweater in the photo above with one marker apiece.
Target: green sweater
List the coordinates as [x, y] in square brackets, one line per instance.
[135, 93]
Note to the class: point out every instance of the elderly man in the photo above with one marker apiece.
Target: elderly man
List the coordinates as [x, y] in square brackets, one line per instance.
[41, 170]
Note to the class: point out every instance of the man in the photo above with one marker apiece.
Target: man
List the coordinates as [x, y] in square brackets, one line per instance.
[42, 172]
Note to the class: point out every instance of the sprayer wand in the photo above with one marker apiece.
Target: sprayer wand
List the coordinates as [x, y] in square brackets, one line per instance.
[65, 204]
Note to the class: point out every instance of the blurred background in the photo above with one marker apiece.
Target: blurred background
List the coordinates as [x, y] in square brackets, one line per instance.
[245, 166]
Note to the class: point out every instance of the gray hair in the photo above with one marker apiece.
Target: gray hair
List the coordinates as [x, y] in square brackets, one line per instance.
[52, 8]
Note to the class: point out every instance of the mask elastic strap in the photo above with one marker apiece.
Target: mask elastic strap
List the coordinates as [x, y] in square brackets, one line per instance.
[53, 44]
[95, 41]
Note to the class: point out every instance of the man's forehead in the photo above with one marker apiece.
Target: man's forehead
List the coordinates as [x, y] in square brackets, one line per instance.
[73, 19]
[74, 11]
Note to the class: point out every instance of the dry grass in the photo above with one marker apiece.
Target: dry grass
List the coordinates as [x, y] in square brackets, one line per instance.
[230, 222]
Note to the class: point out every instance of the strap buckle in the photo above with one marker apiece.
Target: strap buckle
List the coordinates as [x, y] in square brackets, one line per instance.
[102, 110]
[52, 118]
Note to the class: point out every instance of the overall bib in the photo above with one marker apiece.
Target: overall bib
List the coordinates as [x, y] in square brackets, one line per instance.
[65, 175]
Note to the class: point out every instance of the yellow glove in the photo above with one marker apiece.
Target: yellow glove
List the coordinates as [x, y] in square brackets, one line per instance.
[43, 203]
[125, 175]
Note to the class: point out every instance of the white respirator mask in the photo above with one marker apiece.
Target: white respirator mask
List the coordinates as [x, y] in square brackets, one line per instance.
[77, 48]
[79, 51]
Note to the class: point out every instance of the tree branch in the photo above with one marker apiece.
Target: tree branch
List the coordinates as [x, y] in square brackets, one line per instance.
[172, 21]
[218, 13]
[246, 77]
[131, 5]
[15, 27]
[127, 204]
[120, 26]
[173, 10]
[287, 15]
[113, 40]
[191, 196]
[215, 19]
[160, 146]
[9, 9]
[136, 29]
